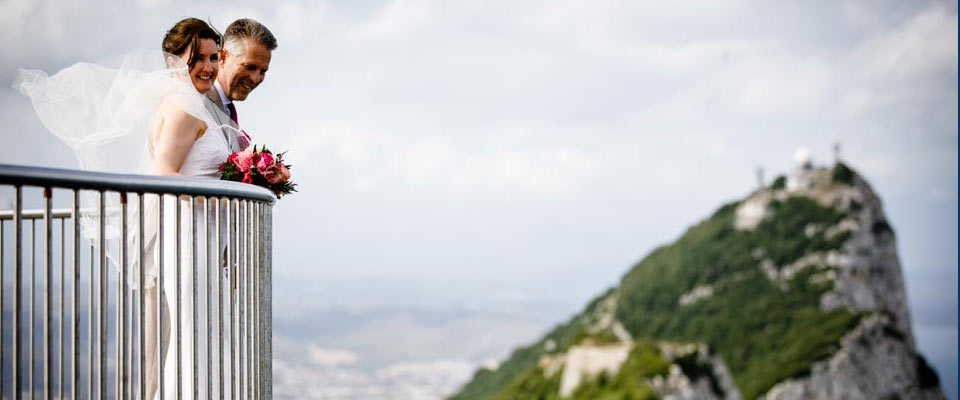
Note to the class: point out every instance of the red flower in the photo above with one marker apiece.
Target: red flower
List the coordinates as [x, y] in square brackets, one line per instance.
[244, 160]
[265, 163]
[247, 178]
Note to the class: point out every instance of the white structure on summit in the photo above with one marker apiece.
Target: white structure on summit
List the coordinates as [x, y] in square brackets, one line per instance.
[802, 169]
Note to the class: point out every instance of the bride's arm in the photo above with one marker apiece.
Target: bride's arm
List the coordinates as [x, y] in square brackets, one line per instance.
[177, 132]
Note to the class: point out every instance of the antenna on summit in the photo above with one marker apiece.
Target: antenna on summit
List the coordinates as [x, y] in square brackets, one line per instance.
[760, 183]
[836, 152]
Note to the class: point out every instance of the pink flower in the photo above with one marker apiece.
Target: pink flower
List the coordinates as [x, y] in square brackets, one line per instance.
[265, 163]
[283, 171]
[247, 178]
[244, 160]
[272, 176]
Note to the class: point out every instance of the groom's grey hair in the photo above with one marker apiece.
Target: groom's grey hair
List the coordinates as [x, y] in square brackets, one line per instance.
[247, 28]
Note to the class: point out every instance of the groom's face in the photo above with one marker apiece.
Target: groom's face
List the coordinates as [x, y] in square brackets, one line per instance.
[243, 72]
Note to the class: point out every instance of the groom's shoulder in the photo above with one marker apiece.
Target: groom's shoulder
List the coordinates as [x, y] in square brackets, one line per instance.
[214, 96]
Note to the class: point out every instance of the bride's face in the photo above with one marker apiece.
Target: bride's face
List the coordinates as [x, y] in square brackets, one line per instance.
[205, 66]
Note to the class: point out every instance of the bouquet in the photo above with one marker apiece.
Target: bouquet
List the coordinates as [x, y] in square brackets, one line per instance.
[260, 167]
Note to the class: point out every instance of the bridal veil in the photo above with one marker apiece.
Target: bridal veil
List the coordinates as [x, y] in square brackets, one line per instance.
[104, 114]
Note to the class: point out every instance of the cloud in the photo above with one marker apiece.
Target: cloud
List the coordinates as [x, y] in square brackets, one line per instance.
[330, 357]
[413, 380]
[923, 45]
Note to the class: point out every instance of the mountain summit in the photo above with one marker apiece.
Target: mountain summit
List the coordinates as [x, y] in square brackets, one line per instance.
[795, 292]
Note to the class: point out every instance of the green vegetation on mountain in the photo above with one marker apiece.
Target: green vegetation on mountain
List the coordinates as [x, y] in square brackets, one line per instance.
[842, 174]
[779, 183]
[523, 361]
[763, 332]
[532, 385]
[763, 319]
[644, 362]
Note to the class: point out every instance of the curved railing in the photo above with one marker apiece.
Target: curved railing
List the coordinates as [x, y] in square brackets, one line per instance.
[117, 251]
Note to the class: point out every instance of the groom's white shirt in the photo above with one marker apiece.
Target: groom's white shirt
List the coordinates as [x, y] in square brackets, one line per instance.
[224, 100]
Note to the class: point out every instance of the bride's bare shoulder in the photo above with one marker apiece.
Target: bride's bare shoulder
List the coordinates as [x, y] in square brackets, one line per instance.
[170, 117]
[171, 111]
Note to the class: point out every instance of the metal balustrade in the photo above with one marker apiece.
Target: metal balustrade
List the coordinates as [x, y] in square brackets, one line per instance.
[93, 326]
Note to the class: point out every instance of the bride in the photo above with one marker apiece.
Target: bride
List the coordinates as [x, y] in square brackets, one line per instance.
[185, 142]
[148, 117]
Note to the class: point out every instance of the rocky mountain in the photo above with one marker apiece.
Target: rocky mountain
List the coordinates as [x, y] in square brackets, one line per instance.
[795, 292]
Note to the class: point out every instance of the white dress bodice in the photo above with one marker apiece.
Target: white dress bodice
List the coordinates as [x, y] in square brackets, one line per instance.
[205, 156]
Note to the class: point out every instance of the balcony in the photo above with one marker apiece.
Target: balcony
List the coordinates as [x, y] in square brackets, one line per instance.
[84, 256]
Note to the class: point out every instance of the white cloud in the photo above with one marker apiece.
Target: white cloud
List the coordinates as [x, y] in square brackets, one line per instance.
[330, 357]
[925, 44]
[433, 379]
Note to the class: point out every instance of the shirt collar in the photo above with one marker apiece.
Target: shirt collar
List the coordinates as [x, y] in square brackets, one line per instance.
[223, 96]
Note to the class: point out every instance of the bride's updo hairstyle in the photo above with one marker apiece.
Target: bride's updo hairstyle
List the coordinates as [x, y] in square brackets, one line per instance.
[187, 34]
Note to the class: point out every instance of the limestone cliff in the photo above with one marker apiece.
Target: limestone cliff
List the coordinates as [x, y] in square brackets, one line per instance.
[795, 292]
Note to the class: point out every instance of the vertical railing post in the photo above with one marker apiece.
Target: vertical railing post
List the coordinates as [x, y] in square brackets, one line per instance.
[268, 300]
[140, 283]
[249, 298]
[193, 301]
[232, 255]
[160, 296]
[241, 295]
[102, 369]
[33, 298]
[259, 281]
[48, 292]
[221, 254]
[75, 319]
[122, 333]
[178, 295]
[2, 315]
[63, 292]
[17, 289]
[256, 301]
[211, 268]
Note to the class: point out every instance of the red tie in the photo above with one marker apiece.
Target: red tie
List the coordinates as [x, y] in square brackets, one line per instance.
[233, 112]
[244, 140]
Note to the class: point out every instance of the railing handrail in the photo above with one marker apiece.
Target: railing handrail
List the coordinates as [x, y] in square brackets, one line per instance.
[89, 180]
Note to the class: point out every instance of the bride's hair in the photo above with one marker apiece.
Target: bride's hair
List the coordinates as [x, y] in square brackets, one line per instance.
[187, 34]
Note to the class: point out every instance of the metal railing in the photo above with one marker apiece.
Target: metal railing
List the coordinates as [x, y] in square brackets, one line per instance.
[136, 299]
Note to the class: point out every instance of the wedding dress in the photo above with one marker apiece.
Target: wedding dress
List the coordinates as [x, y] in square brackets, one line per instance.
[202, 161]
[105, 115]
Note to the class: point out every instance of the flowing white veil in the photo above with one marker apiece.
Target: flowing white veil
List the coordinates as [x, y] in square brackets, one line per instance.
[105, 115]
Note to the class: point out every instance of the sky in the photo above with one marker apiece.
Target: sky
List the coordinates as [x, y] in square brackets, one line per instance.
[472, 173]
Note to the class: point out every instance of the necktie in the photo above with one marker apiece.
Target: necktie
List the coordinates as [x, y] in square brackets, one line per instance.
[233, 112]
[242, 140]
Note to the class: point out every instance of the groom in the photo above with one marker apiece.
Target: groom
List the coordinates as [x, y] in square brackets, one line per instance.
[244, 61]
